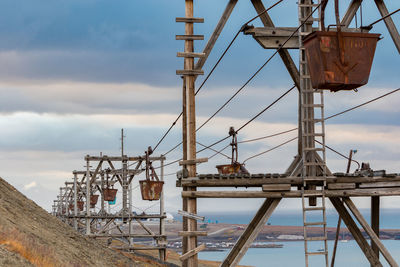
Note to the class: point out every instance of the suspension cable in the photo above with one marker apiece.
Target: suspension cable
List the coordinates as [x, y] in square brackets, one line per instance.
[369, 27]
[269, 150]
[327, 118]
[217, 152]
[363, 104]
[244, 26]
[268, 136]
[337, 152]
[259, 69]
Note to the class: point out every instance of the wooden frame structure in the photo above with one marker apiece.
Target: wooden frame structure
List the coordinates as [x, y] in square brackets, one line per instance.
[103, 224]
[337, 187]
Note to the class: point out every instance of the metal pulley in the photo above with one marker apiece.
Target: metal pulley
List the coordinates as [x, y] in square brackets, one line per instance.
[235, 167]
[339, 60]
[150, 188]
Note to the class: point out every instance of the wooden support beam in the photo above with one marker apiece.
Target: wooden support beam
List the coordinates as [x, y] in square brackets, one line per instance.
[334, 186]
[193, 161]
[192, 252]
[189, 37]
[191, 215]
[190, 20]
[292, 194]
[375, 239]
[189, 54]
[283, 53]
[256, 182]
[189, 72]
[217, 31]
[276, 187]
[253, 229]
[351, 12]
[389, 23]
[355, 231]
[379, 184]
[147, 229]
[375, 206]
[192, 233]
[107, 158]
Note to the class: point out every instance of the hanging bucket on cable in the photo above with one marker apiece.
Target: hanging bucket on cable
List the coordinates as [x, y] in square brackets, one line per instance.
[151, 190]
[336, 66]
[339, 60]
[80, 204]
[109, 194]
[234, 168]
[93, 200]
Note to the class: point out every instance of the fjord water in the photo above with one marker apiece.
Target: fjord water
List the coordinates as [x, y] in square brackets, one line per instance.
[292, 254]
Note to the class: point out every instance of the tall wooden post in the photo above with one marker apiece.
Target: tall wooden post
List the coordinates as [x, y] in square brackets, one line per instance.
[375, 203]
[75, 201]
[162, 252]
[87, 196]
[191, 205]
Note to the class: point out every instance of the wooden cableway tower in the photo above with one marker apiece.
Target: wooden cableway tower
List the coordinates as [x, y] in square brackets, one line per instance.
[308, 172]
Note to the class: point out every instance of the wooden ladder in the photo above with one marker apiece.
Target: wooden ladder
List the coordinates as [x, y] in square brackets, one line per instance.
[313, 152]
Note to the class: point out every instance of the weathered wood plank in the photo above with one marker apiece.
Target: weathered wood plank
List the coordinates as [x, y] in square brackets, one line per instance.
[389, 23]
[276, 187]
[375, 207]
[251, 232]
[334, 186]
[350, 13]
[355, 231]
[190, 37]
[283, 53]
[192, 252]
[292, 194]
[380, 184]
[217, 31]
[192, 233]
[189, 54]
[370, 232]
[290, 180]
[189, 72]
[193, 161]
[190, 20]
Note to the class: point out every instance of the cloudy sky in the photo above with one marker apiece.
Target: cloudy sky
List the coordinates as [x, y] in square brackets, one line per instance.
[73, 73]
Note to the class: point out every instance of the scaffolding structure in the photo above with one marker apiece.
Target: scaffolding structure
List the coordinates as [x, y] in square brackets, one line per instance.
[308, 178]
[77, 203]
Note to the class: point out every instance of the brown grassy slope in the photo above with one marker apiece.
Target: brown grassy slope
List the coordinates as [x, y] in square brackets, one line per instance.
[9, 258]
[29, 234]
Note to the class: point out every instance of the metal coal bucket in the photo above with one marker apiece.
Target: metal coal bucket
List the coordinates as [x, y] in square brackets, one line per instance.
[151, 190]
[93, 200]
[109, 194]
[340, 60]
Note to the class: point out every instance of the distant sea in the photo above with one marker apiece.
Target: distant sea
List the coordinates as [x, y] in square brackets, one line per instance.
[292, 253]
[389, 218]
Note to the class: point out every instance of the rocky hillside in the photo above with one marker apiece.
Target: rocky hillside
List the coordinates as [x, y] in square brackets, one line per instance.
[29, 236]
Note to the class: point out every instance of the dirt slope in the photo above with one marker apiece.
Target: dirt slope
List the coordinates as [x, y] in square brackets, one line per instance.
[29, 236]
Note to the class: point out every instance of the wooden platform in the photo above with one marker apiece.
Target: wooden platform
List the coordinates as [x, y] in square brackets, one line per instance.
[274, 185]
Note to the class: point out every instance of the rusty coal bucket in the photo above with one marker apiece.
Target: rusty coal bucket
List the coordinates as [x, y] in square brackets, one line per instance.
[234, 168]
[109, 194]
[79, 204]
[228, 168]
[151, 190]
[343, 67]
[93, 200]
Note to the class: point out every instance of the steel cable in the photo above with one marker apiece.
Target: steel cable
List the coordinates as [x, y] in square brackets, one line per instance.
[213, 68]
